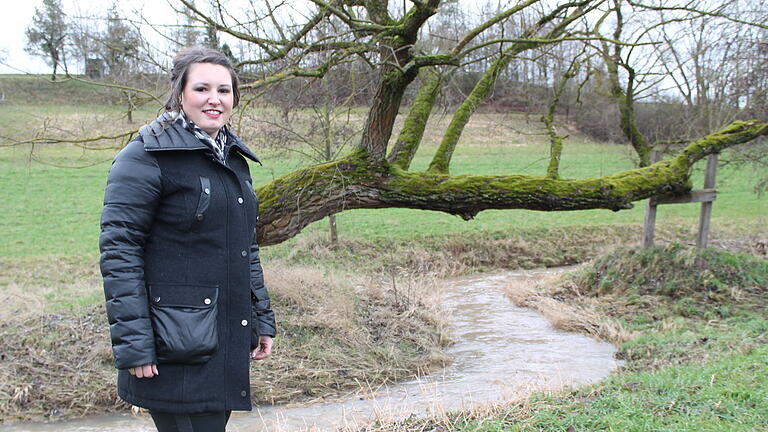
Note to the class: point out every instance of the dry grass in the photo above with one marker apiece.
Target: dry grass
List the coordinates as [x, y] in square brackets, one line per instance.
[336, 335]
[47, 285]
[56, 365]
[453, 255]
[516, 406]
[579, 314]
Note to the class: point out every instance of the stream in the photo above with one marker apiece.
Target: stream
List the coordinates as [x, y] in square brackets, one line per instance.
[502, 352]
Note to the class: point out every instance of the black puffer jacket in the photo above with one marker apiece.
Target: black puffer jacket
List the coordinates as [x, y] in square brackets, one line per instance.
[182, 276]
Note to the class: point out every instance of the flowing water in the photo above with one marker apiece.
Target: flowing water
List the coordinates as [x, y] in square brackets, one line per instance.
[502, 352]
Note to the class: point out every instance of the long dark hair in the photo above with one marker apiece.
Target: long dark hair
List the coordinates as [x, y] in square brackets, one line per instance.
[186, 58]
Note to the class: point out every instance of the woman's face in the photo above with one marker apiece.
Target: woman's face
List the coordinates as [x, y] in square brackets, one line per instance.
[207, 97]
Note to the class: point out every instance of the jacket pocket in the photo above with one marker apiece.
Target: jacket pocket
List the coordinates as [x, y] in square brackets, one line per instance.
[184, 321]
[203, 202]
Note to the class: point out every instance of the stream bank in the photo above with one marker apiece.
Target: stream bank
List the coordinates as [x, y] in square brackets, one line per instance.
[501, 352]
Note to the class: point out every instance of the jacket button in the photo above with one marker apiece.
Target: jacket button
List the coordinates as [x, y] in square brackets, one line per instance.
[207, 191]
[207, 301]
[243, 253]
[199, 216]
[244, 323]
[239, 200]
[243, 393]
[157, 299]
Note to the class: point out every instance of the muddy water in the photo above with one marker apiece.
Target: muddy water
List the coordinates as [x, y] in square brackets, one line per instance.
[501, 352]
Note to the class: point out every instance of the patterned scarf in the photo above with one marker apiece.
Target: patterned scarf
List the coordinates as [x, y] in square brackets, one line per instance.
[218, 146]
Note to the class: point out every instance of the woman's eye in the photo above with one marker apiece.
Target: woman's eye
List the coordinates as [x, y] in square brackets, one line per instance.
[226, 90]
[199, 89]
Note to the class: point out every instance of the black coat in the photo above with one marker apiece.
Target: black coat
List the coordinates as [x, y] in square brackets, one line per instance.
[182, 277]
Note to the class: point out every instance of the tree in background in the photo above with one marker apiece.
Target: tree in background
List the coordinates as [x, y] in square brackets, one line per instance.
[84, 44]
[47, 33]
[187, 32]
[120, 50]
[120, 45]
[227, 51]
[212, 38]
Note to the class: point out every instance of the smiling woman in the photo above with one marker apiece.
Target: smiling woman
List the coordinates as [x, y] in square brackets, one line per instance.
[185, 292]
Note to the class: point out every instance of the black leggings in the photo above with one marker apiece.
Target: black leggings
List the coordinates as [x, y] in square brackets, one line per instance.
[196, 422]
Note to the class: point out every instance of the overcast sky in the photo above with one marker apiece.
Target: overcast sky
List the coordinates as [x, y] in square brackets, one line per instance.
[18, 15]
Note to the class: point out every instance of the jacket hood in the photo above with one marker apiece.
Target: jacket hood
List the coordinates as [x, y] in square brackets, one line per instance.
[165, 134]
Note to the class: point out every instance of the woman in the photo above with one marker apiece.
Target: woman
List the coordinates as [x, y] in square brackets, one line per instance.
[184, 288]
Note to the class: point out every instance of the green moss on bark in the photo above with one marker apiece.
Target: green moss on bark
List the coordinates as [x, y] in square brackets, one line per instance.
[442, 159]
[413, 129]
[361, 181]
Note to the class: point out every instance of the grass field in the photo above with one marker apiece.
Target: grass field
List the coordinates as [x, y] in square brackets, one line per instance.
[50, 195]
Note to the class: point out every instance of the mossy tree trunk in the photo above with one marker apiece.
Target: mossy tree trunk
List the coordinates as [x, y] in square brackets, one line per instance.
[293, 201]
[555, 140]
[416, 122]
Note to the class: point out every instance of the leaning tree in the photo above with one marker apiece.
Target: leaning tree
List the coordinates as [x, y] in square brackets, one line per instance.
[291, 40]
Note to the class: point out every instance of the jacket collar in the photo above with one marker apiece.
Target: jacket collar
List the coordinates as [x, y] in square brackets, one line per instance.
[242, 148]
[165, 134]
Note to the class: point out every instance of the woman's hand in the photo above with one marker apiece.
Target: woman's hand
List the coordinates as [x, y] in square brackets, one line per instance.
[264, 349]
[146, 371]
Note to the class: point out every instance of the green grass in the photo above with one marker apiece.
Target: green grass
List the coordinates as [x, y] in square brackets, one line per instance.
[50, 196]
[725, 390]
[727, 395]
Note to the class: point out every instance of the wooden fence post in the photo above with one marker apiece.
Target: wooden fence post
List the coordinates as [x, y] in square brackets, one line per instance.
[706, 207]
[649, 225]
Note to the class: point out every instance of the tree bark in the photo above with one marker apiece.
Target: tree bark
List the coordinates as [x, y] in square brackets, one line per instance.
[396, 53]
[413, 128]
[383, 111]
